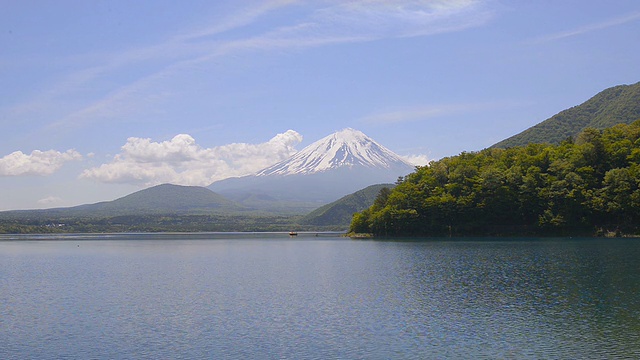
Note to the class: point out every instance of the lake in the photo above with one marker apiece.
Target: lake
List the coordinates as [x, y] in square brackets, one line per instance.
[240, 296]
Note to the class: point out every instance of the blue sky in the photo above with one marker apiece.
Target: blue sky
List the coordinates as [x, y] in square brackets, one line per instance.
[103, 98]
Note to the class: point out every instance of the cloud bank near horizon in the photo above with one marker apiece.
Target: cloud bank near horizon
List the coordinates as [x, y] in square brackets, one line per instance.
[38, 163]
[179, 160]
[182, 161]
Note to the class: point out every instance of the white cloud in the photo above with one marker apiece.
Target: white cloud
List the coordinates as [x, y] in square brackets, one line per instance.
[37, 163]
[417, 160]
[182, 161]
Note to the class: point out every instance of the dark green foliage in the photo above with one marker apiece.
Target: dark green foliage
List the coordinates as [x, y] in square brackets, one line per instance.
[340, 212]
[616, 105]
[587, 186]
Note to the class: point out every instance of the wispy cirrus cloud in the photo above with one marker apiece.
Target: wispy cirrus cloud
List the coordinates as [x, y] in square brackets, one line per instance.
[317, 24]
[182, 161]
[358, 21]
[634, 16]
[174, 50]
[426, 112]
[238, 19]
[408, 114]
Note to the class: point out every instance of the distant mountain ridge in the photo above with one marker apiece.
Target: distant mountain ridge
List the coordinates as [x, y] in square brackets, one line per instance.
[175, 208]
[615, 105]
[328, 169]
[160, 199]
[340, 212]
[332, 167]
[167, 198]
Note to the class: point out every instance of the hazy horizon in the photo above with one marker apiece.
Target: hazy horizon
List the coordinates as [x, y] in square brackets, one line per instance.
[104, 99]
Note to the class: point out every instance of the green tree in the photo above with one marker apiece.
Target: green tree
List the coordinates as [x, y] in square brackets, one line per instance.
[570, 188]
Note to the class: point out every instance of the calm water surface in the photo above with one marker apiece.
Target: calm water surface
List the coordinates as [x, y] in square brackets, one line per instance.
[195, 296]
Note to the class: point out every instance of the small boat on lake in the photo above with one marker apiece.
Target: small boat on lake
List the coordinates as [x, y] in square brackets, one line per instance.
[293, 233]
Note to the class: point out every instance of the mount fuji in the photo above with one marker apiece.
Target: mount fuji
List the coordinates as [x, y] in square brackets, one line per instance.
[334, 166]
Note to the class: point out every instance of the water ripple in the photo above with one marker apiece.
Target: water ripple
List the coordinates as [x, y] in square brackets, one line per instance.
[197, 298]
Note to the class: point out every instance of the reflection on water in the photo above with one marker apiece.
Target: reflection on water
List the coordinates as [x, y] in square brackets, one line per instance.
[238, 296]
[536, 299]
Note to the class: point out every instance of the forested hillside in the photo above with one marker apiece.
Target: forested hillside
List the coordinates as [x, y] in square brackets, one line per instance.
[616, 105]
[340, 212]
[589, 186]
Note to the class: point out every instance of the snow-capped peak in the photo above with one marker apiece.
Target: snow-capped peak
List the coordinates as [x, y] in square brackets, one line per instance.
[345, 148]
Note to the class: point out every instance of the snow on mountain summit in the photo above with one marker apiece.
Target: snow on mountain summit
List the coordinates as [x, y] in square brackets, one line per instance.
[328, 169]
[345, 148]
